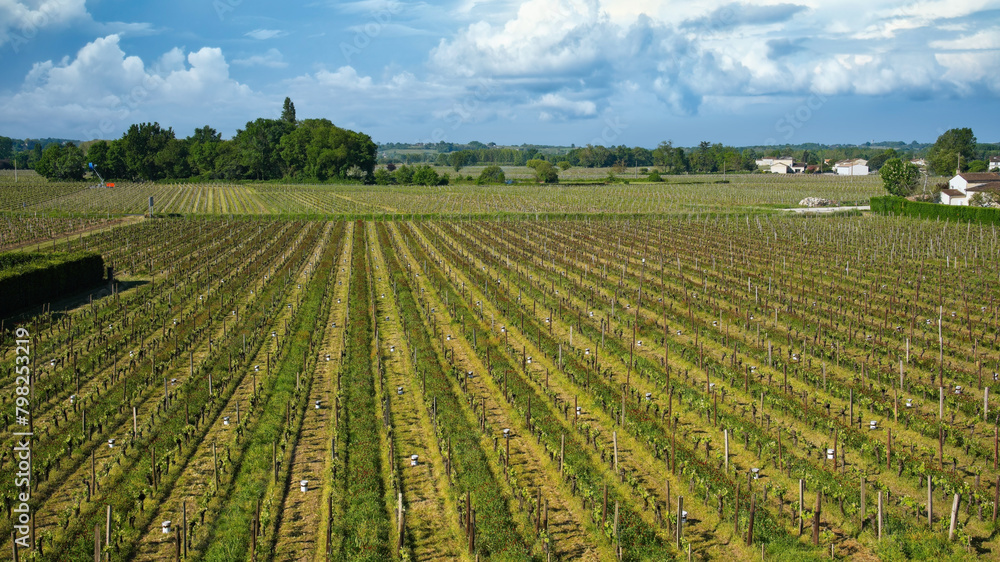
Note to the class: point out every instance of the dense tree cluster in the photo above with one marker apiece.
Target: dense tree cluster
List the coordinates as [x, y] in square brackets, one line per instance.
[954, 150]
[265, 149]
[409, 175]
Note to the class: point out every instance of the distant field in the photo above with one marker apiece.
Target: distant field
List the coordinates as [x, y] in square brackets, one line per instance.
[679, 194]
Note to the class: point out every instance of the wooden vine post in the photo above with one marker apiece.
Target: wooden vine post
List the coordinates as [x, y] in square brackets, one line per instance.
[816, 515]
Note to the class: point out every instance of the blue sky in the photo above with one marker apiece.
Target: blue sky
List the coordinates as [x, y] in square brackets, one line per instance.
[632, 72]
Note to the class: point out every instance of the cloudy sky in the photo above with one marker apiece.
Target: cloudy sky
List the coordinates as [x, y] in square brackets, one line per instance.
[632, 72]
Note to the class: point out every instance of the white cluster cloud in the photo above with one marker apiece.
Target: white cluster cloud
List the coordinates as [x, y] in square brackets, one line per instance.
[22, 21]
[557, 103]
[552, 60]
[102, 90]
[725, 50]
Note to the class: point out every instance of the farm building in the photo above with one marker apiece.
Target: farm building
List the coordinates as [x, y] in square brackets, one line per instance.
[994, 163]
[768, 163]
[963, 186]
[953, 197]
[787, 166]
[856, 167]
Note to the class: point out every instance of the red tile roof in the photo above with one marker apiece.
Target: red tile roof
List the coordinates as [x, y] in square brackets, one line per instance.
[980, 177]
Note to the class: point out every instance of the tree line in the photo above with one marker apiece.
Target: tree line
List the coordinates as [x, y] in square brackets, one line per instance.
[265, 149]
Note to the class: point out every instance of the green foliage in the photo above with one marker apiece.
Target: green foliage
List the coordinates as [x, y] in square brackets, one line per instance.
[564, 165]
[31, 279]
[898, 177]
[904, 207]
[458, 159]
[288, 111]
[64, 163]
[97, 154]
[204, 147]
[425, 175]
[545, 172]
[256, 148]
[173, 160]
[984, 199]
[977, 166]
[383, 177]
[919, 545]
[318, 149]
[403, 175]
[655, 176]
[954, 143]
[877, 161]
[491, 174]
[364, 530]
[6, 148]
[141, 145]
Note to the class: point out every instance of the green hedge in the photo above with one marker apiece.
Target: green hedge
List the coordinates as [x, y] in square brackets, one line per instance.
[901, 206]
[30, 279]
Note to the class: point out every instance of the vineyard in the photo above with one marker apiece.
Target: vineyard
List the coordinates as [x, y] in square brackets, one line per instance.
[432, 385]
[682, 194]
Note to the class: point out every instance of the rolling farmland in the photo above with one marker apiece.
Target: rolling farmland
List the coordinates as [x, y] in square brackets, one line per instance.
[681, 194]
[566, 372]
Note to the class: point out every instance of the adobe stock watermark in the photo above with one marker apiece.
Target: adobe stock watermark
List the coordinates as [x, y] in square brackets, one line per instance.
[123, 108]
[371, 29]
[224, 7]
[793, 120]
[613, 129]
[21, 510]
[464, 110]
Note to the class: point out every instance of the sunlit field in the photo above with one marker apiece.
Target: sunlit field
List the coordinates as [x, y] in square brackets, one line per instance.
[640, 371]
[679, 194]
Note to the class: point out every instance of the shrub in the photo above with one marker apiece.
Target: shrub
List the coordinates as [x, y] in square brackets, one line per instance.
[546, 172]
[491, 174]
[30, 279]
[903, 207]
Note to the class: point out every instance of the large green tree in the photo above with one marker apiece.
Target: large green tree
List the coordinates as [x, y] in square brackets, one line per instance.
[288, 111]
[899, 177]
[877, 161]
[458, 159]
[97, 154]
[58, 162]
[6, 148]
[318, 149]
[256, 147]
[950, 147]
[204, 147]
[142, 143]
[172, 161]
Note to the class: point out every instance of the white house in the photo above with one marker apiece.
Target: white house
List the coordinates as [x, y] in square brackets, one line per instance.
[994, 163]
[962, 187]
[856, 167]
[919, 162]
[953, 197]
[768, 163]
